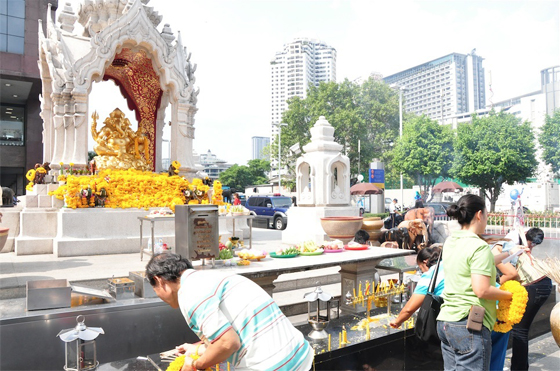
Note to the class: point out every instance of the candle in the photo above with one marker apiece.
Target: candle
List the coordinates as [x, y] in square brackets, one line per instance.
[218, 367]
[354, 291]
[367, 332]
[228, 366]
[367, 288]
[329, 346]
[360, 288]
[344, 335]
[339, 339]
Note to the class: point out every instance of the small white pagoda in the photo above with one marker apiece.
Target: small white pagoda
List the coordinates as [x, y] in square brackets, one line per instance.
[322, 186]
[120, 42]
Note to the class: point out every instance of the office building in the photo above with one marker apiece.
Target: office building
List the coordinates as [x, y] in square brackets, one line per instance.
[300, 63]
[443, 87]
[259, 143]
[550, 82]
[21, 125]
[213, 166]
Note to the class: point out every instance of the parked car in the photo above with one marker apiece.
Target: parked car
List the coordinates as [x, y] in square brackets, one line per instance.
[388, 201]
[270, 209]
[440, 208]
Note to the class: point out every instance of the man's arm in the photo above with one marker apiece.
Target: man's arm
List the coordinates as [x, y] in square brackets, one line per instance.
[218, 351]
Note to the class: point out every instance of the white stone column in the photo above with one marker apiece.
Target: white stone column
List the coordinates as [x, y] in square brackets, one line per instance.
[48, 129]
[68, 129]
[79, 153]
[59, 131]
[182, 135]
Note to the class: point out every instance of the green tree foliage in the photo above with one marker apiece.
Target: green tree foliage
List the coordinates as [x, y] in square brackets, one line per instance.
[238, 177]
[494, 150]
[549, 140]
[425, 151]
[368, 112]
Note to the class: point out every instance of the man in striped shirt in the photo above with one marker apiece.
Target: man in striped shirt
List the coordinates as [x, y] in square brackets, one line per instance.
[238, 321]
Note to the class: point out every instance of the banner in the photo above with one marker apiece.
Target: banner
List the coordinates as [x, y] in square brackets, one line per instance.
[377, 177]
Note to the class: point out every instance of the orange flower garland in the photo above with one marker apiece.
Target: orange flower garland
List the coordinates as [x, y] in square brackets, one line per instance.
[510, 312]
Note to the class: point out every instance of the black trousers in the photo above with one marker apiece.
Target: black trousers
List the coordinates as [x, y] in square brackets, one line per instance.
[538, 293]
[393, 219]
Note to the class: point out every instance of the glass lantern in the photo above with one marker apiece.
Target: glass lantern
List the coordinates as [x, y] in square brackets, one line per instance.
[319, 305]
[80, 348]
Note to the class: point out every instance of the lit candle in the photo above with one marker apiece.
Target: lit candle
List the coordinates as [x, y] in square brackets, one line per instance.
[329, 346]
[344, 335]
[367, 288]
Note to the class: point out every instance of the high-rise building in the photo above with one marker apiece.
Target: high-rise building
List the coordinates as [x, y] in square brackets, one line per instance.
[258, 145]
[443, 87]
[213, 166]
[550, 82]
[21, 125]
[300, 63]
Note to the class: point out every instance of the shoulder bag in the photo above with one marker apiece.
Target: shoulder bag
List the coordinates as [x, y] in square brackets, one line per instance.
[426, 321]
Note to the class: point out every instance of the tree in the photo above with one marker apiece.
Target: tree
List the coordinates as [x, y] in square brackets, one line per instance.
[494, 150]
[549, 141]
[425, 151]
[368, 112]
[238, 177]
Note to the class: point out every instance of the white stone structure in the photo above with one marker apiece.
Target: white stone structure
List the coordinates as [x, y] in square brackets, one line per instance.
[120, 39]
[322, 186]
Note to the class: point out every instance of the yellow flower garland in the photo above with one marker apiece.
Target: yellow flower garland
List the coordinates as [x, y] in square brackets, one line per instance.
[510, 312]
[177, 364]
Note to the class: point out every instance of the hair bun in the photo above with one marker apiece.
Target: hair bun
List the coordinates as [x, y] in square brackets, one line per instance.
[453, 211]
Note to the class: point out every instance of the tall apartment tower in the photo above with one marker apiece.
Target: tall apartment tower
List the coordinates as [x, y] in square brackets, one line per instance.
[443, 87]
[258, 145]
[300, 63]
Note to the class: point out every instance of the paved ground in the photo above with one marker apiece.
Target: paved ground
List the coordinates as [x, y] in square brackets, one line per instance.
[15, 271]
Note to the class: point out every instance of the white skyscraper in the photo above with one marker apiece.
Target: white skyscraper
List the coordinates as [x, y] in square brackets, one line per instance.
[444, 87]
[301, 62]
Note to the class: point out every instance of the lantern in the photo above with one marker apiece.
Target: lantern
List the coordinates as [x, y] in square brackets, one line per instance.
[319, 305]
[80, 349]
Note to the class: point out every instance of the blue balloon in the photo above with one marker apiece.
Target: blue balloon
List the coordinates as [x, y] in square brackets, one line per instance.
[514, 194]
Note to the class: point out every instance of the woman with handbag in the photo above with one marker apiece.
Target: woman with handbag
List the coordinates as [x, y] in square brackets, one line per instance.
[426, 259]
[468, 312]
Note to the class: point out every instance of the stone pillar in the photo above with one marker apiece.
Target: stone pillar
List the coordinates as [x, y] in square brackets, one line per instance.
[59, 131]
[46, 115]
[350, 277]
[182, 135]
[79, 153]
[68, 129]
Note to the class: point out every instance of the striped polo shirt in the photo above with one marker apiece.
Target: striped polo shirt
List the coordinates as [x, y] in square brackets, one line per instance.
[213, 302]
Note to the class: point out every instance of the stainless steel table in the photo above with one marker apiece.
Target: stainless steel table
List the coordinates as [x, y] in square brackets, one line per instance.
[152, 221]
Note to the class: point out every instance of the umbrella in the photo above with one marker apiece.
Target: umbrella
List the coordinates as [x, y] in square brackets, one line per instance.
[365, 189]
[447, 186]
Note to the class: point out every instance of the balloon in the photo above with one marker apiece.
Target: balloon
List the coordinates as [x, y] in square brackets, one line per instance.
[513, 194]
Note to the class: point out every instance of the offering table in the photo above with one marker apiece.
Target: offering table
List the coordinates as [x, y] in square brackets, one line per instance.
[355, 267]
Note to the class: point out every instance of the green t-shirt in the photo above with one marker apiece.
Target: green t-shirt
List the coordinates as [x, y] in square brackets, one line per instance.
[464, 253]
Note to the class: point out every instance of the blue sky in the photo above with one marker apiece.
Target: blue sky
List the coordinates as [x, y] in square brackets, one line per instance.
[233, 42]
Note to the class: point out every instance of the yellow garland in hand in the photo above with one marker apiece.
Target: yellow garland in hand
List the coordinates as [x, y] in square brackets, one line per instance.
[177, 364]
[510, 312]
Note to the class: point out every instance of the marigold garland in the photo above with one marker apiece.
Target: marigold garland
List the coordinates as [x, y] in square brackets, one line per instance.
[177, 364]
[510, 312]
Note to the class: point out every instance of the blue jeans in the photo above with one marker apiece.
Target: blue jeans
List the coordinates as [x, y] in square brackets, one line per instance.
[499, 349]
[538, 294]
[464, 349]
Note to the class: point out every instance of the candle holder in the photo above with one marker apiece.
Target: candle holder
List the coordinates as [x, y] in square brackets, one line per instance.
[80, 348]
[319, 304]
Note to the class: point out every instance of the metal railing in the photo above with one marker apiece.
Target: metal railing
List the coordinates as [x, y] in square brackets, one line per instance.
[500, 224]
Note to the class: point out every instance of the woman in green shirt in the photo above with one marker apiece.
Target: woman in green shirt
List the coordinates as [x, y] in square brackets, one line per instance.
[470, 275]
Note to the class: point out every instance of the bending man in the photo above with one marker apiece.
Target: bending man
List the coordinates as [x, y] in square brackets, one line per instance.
[237, 319]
